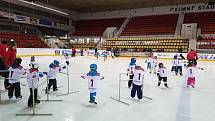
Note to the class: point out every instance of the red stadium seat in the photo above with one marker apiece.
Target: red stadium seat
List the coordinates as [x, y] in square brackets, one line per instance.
[24, 40]
[151, 25]
[95, 27]
[204, 20]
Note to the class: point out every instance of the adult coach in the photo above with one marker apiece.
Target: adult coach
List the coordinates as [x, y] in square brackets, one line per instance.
[73, 52]
[192, 56]
[9, 59]
[3, 46]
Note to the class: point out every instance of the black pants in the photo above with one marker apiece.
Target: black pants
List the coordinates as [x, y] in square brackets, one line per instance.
[194, 61]
[149, 66]
[73, 54]
[164, 80]
[130, 80]
[14, 87]
[4, 74]
[2, 66]
[138, 89]
[173, 68]
[30, 99]
[52, 82]
[67, 62]
[178, 70]
[6, 80]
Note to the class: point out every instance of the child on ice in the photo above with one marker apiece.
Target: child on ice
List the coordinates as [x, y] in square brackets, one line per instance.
[33, 79]
[93, 77]
[15, 72]
[191, 74]
[54, 69]
[162, 75]
[149, 62]
[137, 82]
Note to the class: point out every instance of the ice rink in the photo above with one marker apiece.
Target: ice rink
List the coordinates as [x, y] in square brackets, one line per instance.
[178, 103]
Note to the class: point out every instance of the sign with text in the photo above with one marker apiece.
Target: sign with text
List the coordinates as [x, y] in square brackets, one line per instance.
[194, 8]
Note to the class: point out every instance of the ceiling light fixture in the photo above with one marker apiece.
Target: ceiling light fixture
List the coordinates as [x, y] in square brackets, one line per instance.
[41, 6]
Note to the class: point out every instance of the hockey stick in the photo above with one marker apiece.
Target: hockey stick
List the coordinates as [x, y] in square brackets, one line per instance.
[13, 79]
[62, 73]
[52, 87]
[147, 97]
[4, 70]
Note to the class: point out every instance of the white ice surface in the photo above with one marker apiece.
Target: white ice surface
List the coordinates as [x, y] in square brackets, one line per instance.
[175, 104]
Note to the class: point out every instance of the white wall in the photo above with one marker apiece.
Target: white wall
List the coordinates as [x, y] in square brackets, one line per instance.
[27, 52]
[201, 7]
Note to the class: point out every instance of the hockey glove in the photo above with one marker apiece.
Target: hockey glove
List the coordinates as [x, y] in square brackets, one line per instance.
[40, 74]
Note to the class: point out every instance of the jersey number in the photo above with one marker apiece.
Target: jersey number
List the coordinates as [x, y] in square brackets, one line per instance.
[139, 76]
[91, 82]
[11, 74]
[191, 71]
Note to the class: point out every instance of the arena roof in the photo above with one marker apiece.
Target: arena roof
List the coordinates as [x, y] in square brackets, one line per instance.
[110, 5]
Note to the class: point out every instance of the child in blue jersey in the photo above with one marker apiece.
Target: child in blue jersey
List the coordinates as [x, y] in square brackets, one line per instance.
[105, 54]
[93, 77]
[149, 62]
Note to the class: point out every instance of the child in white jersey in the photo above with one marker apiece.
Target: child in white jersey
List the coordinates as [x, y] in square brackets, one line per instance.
[105, 54]
[137, 82]
[15, 72]
[179, 65]
[93, 77]
[191, 74]
[54, 69]
[154, 64]
[33, 79]
[162, 75]
[149, 62]
[174, 64]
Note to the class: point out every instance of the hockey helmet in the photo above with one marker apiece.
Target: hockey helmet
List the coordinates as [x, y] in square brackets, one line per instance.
[93, 67]
[34, 65]
[133, 59]
[56, 62]
[32, 59]
[18, 61]
[160, 65]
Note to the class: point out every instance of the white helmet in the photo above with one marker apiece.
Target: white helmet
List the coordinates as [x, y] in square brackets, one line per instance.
[34, 65]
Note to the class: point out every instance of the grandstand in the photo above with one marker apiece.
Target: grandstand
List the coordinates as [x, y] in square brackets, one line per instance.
[151, 25]
[24, 40]
[95, 27]
[107, 60]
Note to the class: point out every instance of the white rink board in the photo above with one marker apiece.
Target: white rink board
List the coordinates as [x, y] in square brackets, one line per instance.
[23, 52]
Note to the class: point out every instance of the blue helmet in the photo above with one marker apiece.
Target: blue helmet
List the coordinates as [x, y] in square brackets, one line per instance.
[93, 67]
[56, 62]
[133, 61]
[52, 65]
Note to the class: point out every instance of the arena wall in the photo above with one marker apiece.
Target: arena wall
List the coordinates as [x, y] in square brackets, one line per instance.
[180, 9]
[27, 52]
